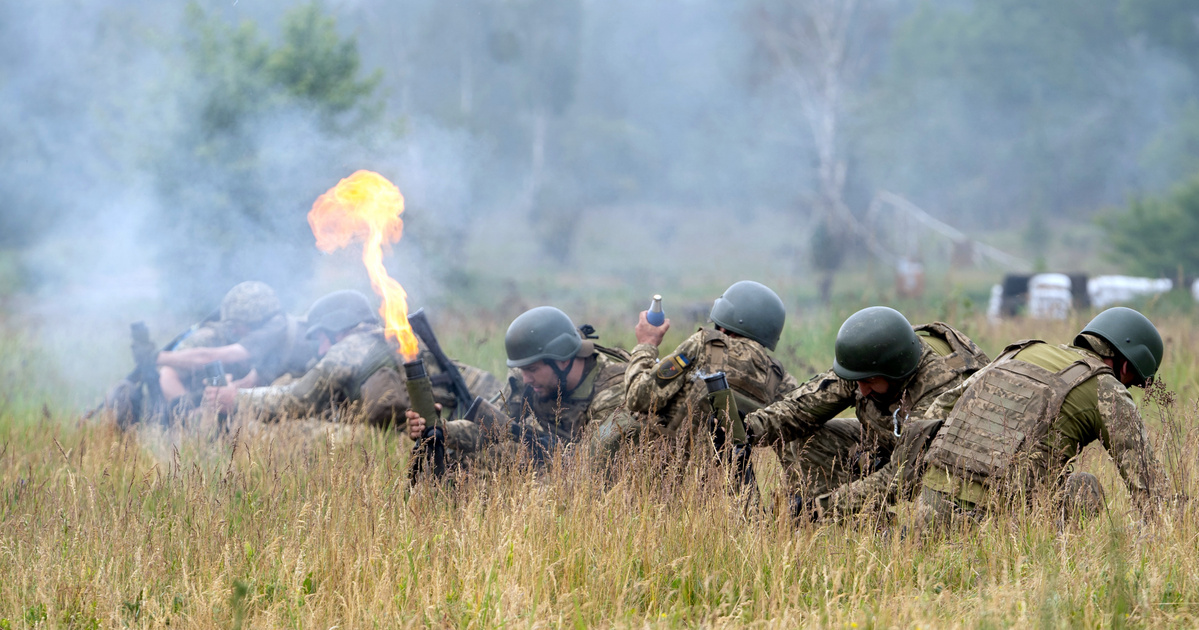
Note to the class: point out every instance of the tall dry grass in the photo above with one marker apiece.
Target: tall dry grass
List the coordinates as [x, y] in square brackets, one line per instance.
[305, 526]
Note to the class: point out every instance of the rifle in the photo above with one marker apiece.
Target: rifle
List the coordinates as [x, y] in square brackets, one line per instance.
[421, 328]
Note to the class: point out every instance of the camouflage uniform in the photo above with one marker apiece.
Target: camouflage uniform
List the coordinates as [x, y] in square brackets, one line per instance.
[277, 348]
[361, 369]
[823, 452]
[1019, 422]
[674, 396]
[598, 398]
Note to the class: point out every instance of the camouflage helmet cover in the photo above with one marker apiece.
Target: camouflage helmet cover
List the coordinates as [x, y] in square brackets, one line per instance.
[339, 311]
[1132, 335]
[876, 341]
[250, 302]
[541, 334]
[751, 310]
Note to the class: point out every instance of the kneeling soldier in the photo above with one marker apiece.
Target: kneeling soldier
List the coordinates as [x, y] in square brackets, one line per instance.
[1015, 426]
[887, 371]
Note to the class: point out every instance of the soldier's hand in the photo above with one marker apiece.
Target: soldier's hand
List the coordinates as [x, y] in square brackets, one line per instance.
[416, 424]
[648, 333]
[222, 399]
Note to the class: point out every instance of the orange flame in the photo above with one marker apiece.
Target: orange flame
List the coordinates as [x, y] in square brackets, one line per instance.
[366, 207]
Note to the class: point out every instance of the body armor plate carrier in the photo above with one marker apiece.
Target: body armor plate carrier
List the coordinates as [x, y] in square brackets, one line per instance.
[1006, 414]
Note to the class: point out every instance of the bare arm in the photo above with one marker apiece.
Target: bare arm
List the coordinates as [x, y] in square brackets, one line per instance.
[196, 358]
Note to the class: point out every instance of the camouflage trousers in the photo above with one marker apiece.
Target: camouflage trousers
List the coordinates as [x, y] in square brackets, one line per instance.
[1080, 496]
[833, 456]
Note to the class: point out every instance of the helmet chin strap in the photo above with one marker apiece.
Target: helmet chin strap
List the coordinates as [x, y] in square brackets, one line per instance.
[562, 376]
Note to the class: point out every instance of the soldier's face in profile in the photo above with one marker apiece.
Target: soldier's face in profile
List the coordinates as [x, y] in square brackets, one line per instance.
[874, 388]
[541, 377]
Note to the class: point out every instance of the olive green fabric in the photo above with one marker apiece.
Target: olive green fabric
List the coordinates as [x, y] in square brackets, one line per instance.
[598, 397]
[675, 403]
[1098, 408]
[358, 374]
[823, 452]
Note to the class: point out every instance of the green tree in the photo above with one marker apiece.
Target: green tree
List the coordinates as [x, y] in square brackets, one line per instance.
[234, 189]
[1009, 108]
[1157, 236]
[1172, 26]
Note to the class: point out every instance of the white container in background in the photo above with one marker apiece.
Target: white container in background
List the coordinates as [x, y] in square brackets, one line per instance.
[1105, 291]
[995, 304]
[1049, 296]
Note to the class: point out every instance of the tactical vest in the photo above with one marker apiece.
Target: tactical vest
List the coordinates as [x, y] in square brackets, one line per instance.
[964, 358]
[753, 390]
[1006, 413]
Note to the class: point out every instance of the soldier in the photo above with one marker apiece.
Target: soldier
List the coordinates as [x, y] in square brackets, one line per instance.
[357, 365]
[250, 335]
[559, 386]
[887, 371]
[254, 340]
[747, 322]
[1016, 425]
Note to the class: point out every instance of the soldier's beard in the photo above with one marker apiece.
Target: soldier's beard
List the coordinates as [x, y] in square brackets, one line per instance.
[547, 394]
[894, 393]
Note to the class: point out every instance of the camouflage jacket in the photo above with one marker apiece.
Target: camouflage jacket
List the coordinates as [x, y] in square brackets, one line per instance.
[362, 368]
[600, 394]
[1098, 408]
[948, 358]
[672, 394]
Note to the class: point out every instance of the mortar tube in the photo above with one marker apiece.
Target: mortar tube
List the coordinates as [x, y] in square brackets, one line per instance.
[431, 448]
[420, 391]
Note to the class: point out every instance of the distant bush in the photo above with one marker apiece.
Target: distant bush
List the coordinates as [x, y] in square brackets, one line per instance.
[263, 129]
[1157, 236]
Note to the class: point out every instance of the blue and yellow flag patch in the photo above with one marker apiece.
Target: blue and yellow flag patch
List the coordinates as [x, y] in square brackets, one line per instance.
[672, 366]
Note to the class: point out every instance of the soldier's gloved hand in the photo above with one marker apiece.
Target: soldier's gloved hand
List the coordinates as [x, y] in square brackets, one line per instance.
[648, 333]
[416, 424]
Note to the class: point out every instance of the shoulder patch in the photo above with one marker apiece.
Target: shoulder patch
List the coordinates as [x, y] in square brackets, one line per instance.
[672, 366]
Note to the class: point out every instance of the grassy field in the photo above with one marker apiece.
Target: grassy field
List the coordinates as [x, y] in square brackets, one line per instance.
[317, 526]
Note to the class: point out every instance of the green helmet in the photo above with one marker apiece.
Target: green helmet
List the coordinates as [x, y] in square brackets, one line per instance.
[250, 302]
[541, 334]
[339, 311]
[751, 310]
[1132, 335]
[876, 341]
